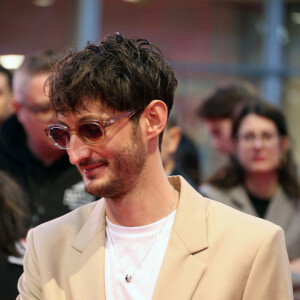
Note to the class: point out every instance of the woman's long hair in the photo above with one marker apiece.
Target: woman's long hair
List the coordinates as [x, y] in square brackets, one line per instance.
[14, 215]
[233, 173]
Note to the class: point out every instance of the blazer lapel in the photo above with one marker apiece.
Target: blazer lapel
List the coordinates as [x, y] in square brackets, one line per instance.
[182, 268]
[87, 263]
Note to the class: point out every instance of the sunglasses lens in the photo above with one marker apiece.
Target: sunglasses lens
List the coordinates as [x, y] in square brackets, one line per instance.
[91, 132]
[60, 136]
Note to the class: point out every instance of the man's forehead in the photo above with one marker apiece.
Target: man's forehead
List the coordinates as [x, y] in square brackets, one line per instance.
[87, 104]
[89, 109]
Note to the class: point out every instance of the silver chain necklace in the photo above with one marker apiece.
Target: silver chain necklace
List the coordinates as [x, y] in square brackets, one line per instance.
[128, 277]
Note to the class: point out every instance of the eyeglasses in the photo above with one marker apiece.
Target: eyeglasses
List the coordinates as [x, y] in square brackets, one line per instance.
[266, 138]
[42, 113]
[90, 132]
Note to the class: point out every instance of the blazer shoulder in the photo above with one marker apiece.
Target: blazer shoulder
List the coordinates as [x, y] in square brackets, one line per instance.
[210, 191]
[221, 194]
[68, 225]
[238, 222]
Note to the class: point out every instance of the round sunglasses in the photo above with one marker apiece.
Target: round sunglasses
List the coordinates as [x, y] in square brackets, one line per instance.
[90, 132]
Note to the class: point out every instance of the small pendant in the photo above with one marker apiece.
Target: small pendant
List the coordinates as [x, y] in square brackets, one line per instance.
[128, 278]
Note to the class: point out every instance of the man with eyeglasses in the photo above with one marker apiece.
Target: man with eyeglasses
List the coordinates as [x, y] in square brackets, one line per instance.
[54, 186]
[149, 236]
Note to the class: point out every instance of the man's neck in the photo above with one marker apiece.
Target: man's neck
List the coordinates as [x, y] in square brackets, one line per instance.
[145, 204]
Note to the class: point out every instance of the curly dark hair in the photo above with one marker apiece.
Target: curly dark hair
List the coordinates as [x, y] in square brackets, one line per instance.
[14, 214]
[233, 174]
[124, 74]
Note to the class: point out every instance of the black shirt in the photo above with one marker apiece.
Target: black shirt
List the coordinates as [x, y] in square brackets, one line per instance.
[9, 275]
[260, 204]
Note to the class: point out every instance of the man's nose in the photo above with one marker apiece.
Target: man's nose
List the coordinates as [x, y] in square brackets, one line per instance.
[78, 150]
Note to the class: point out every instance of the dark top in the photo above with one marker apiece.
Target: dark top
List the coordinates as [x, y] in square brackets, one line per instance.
[9, 275]
[260, 204]
[178, 170]
[53, 190]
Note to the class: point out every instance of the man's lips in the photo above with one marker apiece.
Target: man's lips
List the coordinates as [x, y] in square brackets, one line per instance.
[92, 167]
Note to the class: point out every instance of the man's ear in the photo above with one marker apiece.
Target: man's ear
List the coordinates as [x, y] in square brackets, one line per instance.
[155, 117]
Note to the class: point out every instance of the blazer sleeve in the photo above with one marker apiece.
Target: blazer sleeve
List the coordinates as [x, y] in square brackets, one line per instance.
[270, 275]
[29, 284]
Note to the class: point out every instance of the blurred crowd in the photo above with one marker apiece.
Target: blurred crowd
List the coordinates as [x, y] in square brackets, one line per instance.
[38, 183]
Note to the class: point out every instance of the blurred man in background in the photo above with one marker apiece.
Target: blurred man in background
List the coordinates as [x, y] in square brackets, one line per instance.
[179, 153]
[218, 108]
[52, 183]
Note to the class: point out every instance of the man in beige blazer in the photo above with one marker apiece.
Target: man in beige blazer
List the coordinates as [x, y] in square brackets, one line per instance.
[149, 236]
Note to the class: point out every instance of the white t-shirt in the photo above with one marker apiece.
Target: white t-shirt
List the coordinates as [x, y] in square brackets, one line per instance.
[130, 245]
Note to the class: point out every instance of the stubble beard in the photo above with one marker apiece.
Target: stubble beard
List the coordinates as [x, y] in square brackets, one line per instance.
[127, 165]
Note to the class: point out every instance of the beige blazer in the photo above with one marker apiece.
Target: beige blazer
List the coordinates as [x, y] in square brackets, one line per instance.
[214, 253]
[281, 211]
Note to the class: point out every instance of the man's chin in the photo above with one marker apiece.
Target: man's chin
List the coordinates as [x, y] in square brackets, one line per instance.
[105, 188]
[89, 184]
[98, 188]
[91, 187]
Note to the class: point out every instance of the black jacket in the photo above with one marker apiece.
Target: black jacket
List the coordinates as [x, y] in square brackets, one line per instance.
[53, 190]
[9, 275]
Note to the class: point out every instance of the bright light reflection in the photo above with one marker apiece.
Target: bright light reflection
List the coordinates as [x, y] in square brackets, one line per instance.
[43, 3]
[11, 61]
